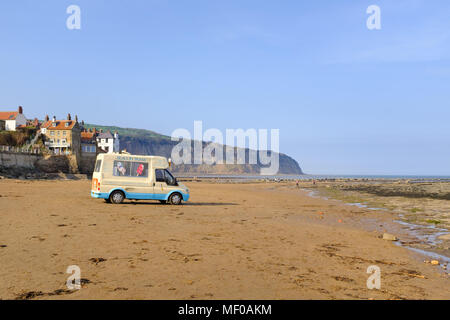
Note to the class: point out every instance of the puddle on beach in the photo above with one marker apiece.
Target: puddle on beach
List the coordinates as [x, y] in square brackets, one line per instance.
[425, 235]
[428, 234]
[316, 194]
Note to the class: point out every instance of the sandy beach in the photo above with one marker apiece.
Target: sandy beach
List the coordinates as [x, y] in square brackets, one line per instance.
[230, 241]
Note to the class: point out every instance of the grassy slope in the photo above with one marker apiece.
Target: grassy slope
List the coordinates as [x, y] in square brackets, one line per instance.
[131, 132]
[153, 140]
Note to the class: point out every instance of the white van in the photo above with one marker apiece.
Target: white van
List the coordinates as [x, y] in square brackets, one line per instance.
[118, 177]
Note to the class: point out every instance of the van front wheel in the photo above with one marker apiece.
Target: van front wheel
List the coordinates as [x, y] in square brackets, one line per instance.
[117, 197]
[175, 198]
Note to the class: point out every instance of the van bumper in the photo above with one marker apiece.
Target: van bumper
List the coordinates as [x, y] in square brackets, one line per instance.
[100, 195]
[185, 196]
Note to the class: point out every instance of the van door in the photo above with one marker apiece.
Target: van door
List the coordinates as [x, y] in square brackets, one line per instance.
[160, 188]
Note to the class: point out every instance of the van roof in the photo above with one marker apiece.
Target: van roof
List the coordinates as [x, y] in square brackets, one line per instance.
[114, 155]
[161, 162]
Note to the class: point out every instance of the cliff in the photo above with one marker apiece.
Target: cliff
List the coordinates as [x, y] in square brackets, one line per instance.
[145, 142]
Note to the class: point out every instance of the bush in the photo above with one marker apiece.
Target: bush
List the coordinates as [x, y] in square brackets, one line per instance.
[16, 138]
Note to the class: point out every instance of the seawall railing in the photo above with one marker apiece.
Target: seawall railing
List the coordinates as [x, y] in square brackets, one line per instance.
[23, 150]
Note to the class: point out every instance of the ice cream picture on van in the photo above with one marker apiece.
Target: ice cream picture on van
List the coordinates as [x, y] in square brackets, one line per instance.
[118, 177]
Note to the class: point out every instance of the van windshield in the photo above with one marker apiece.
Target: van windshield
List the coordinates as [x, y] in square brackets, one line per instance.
[170, 180]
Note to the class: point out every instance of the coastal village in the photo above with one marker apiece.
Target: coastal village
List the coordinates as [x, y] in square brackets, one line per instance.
[54, 137]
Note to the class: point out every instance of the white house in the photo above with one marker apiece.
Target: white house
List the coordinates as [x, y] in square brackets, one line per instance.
[13, 119]
[108, 143]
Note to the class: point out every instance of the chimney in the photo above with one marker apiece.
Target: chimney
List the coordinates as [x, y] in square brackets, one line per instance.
[20, 110]
[76, 118]
[82, 122]
[54, 119]
[69, 117]
[46, 118]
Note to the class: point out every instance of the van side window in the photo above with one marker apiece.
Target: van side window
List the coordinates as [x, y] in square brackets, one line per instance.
[159, 175]
[139, 169]
[98, 164]
[130, 169]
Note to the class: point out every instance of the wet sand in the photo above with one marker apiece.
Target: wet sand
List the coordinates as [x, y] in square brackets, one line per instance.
[230, 241]
[422, 207]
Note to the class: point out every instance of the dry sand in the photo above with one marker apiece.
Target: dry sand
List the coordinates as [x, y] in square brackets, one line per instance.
[230, 241]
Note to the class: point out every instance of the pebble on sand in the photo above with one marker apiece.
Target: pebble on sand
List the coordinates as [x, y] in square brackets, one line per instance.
[445, 237]
[389, 237]
[434, 262]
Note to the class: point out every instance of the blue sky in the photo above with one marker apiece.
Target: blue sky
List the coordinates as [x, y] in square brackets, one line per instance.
[347, 100]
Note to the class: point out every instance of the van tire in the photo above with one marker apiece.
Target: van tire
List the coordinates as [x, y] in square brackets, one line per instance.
[175, 198]
[116, 197]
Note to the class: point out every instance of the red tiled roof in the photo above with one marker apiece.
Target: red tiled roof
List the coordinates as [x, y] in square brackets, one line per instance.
[87, 136]
[60, 125]
[8, 115]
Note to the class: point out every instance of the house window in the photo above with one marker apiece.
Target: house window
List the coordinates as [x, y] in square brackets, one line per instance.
[64, 133]
[67, 124]
[52, 133]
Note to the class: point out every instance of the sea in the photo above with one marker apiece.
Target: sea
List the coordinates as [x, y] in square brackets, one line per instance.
[412, 178]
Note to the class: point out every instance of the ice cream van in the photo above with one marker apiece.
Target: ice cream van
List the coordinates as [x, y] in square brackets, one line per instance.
[118, 177]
